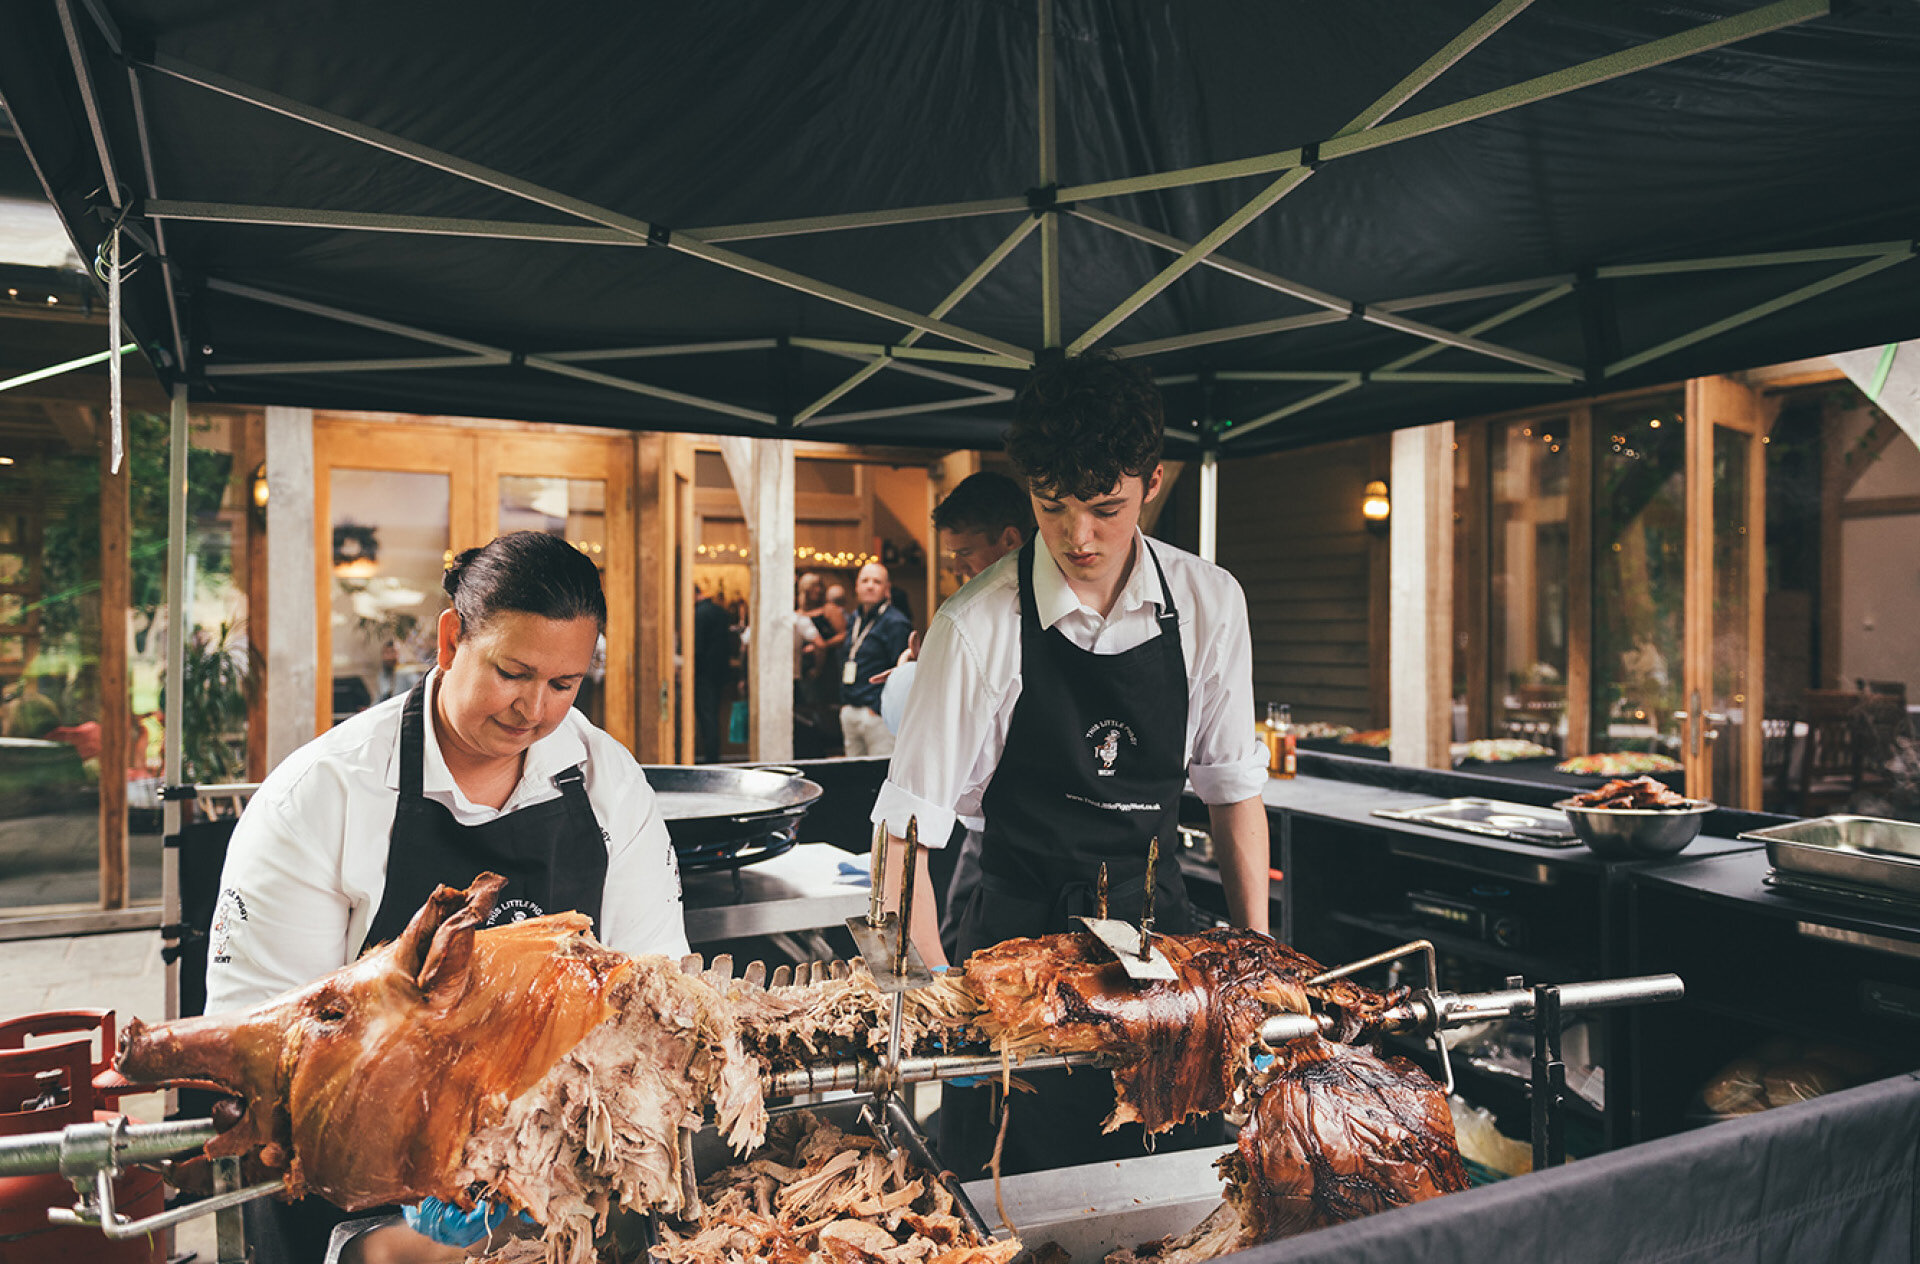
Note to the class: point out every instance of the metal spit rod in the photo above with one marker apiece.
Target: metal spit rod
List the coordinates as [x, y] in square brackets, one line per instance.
[1445, 1010]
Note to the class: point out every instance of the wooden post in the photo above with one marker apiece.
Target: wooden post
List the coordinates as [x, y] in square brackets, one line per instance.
[1580, 493]
[116, 702]
[292, 579]
[1421, 585]
[653, 594]
[252, 566]
[1379, 596]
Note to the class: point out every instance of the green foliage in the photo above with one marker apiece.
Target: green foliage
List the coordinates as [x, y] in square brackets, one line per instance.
[72, 539]
[214, 707]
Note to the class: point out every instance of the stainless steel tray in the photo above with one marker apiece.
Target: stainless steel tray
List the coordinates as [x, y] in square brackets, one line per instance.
[1861, 850]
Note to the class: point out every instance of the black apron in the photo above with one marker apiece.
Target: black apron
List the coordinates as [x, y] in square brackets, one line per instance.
[554, 858]
[1093, 769]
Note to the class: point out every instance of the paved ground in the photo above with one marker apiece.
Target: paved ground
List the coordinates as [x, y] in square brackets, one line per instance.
[118, 972]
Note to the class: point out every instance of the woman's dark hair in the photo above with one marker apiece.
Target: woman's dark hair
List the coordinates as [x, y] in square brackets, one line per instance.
[1081, 423]
[527, 571]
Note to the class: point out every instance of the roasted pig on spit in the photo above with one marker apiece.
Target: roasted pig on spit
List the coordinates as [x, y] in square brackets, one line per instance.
[1180, 1048]
[529, 1064]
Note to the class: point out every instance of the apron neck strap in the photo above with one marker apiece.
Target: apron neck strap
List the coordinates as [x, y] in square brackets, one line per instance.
[413, 739]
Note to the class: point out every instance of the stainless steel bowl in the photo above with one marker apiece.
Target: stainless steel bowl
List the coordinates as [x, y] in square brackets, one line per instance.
[1625, 833]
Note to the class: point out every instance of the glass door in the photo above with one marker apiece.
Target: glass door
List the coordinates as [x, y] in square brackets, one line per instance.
[1720, 719]
[1639, 584]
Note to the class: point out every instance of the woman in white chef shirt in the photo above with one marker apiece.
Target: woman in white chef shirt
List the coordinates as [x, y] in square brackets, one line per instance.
[484, 765]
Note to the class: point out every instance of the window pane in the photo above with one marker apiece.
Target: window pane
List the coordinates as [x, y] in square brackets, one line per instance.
[1639, 573]
[1527, 588]
[390, 542]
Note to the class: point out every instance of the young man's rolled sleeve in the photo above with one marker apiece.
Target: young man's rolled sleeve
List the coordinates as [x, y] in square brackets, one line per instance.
[896, 806]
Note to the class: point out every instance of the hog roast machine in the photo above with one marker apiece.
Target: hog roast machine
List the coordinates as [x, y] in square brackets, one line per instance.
[90, 1155]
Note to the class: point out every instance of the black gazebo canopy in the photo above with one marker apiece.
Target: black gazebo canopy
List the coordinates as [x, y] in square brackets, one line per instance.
[860, 220]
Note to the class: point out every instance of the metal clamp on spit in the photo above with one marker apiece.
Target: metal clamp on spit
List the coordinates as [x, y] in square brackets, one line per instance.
[1427, 997]
[885, 942]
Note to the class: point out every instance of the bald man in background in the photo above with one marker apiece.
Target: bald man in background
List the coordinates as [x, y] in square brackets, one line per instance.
[876, 635]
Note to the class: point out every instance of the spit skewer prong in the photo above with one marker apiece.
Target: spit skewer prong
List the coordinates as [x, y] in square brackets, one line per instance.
[907, 868]
[1146, 907]
[1100, 894]
[876, 902]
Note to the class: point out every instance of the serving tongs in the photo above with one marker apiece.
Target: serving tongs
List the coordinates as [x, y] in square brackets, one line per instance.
[1132, 946]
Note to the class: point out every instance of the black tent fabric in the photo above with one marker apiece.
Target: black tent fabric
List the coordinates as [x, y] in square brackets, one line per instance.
[609, 213]
[1831, 1179]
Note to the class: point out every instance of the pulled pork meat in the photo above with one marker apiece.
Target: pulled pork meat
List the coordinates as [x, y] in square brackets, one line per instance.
[846, 1015]
[1336, 1133]
[1179, 1048]
[605, 1124]
[817, 1193]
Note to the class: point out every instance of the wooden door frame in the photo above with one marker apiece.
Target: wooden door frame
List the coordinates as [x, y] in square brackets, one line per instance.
[607, 458]
[1712, 404]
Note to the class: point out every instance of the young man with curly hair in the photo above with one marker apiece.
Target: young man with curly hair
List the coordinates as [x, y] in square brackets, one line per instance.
[1066, 696]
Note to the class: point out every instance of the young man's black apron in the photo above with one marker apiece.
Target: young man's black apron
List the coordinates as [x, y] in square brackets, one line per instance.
[554, 858]
[1093, 769]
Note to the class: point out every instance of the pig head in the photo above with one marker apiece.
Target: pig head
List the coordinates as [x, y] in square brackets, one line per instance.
[364, 1085]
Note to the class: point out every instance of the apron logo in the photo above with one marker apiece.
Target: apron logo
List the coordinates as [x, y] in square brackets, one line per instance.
[514, 911]
[1105, 737]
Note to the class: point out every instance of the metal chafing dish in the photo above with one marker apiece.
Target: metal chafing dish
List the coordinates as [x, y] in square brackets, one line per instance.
[1839, 854]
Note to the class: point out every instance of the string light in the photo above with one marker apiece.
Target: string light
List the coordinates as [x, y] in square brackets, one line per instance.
[833, 560]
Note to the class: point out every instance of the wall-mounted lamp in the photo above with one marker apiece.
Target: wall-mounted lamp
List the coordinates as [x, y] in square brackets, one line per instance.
[259, 490]
[1376, 508]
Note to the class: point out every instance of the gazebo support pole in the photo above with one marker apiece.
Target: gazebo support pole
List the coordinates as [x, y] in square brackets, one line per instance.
[177, 633]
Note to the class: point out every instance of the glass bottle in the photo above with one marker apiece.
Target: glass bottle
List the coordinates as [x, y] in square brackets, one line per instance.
[1282, 759]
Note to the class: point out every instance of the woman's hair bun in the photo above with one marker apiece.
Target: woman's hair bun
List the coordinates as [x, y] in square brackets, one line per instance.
[450, 580]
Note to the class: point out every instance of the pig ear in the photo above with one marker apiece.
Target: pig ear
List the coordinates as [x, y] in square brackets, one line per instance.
[443, 973]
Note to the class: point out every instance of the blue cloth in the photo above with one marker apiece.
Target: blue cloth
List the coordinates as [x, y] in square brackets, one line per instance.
[450, 1226]
[879, 650]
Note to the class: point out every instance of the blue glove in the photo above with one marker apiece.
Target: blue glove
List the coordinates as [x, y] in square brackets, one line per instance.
[1261, 1061]
[449, 1226]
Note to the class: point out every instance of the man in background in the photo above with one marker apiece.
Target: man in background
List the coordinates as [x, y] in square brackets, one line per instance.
[712, 669]
[876, 636]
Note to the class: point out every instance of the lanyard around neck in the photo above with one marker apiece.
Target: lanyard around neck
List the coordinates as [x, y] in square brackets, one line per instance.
[853, 647]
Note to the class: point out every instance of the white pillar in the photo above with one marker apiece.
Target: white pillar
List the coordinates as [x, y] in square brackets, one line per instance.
[772, 678]
[1420, 596]
[1210, 504]
[1890, 377]
[762, 474]
[292, 648]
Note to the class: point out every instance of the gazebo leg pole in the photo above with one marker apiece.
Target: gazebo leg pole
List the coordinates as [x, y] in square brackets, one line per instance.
[177, 632]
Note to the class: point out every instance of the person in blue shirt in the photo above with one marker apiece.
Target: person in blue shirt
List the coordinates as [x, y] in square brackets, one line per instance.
[877, 633]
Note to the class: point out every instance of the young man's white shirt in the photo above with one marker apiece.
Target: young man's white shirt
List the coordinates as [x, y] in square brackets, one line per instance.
[956, 720]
